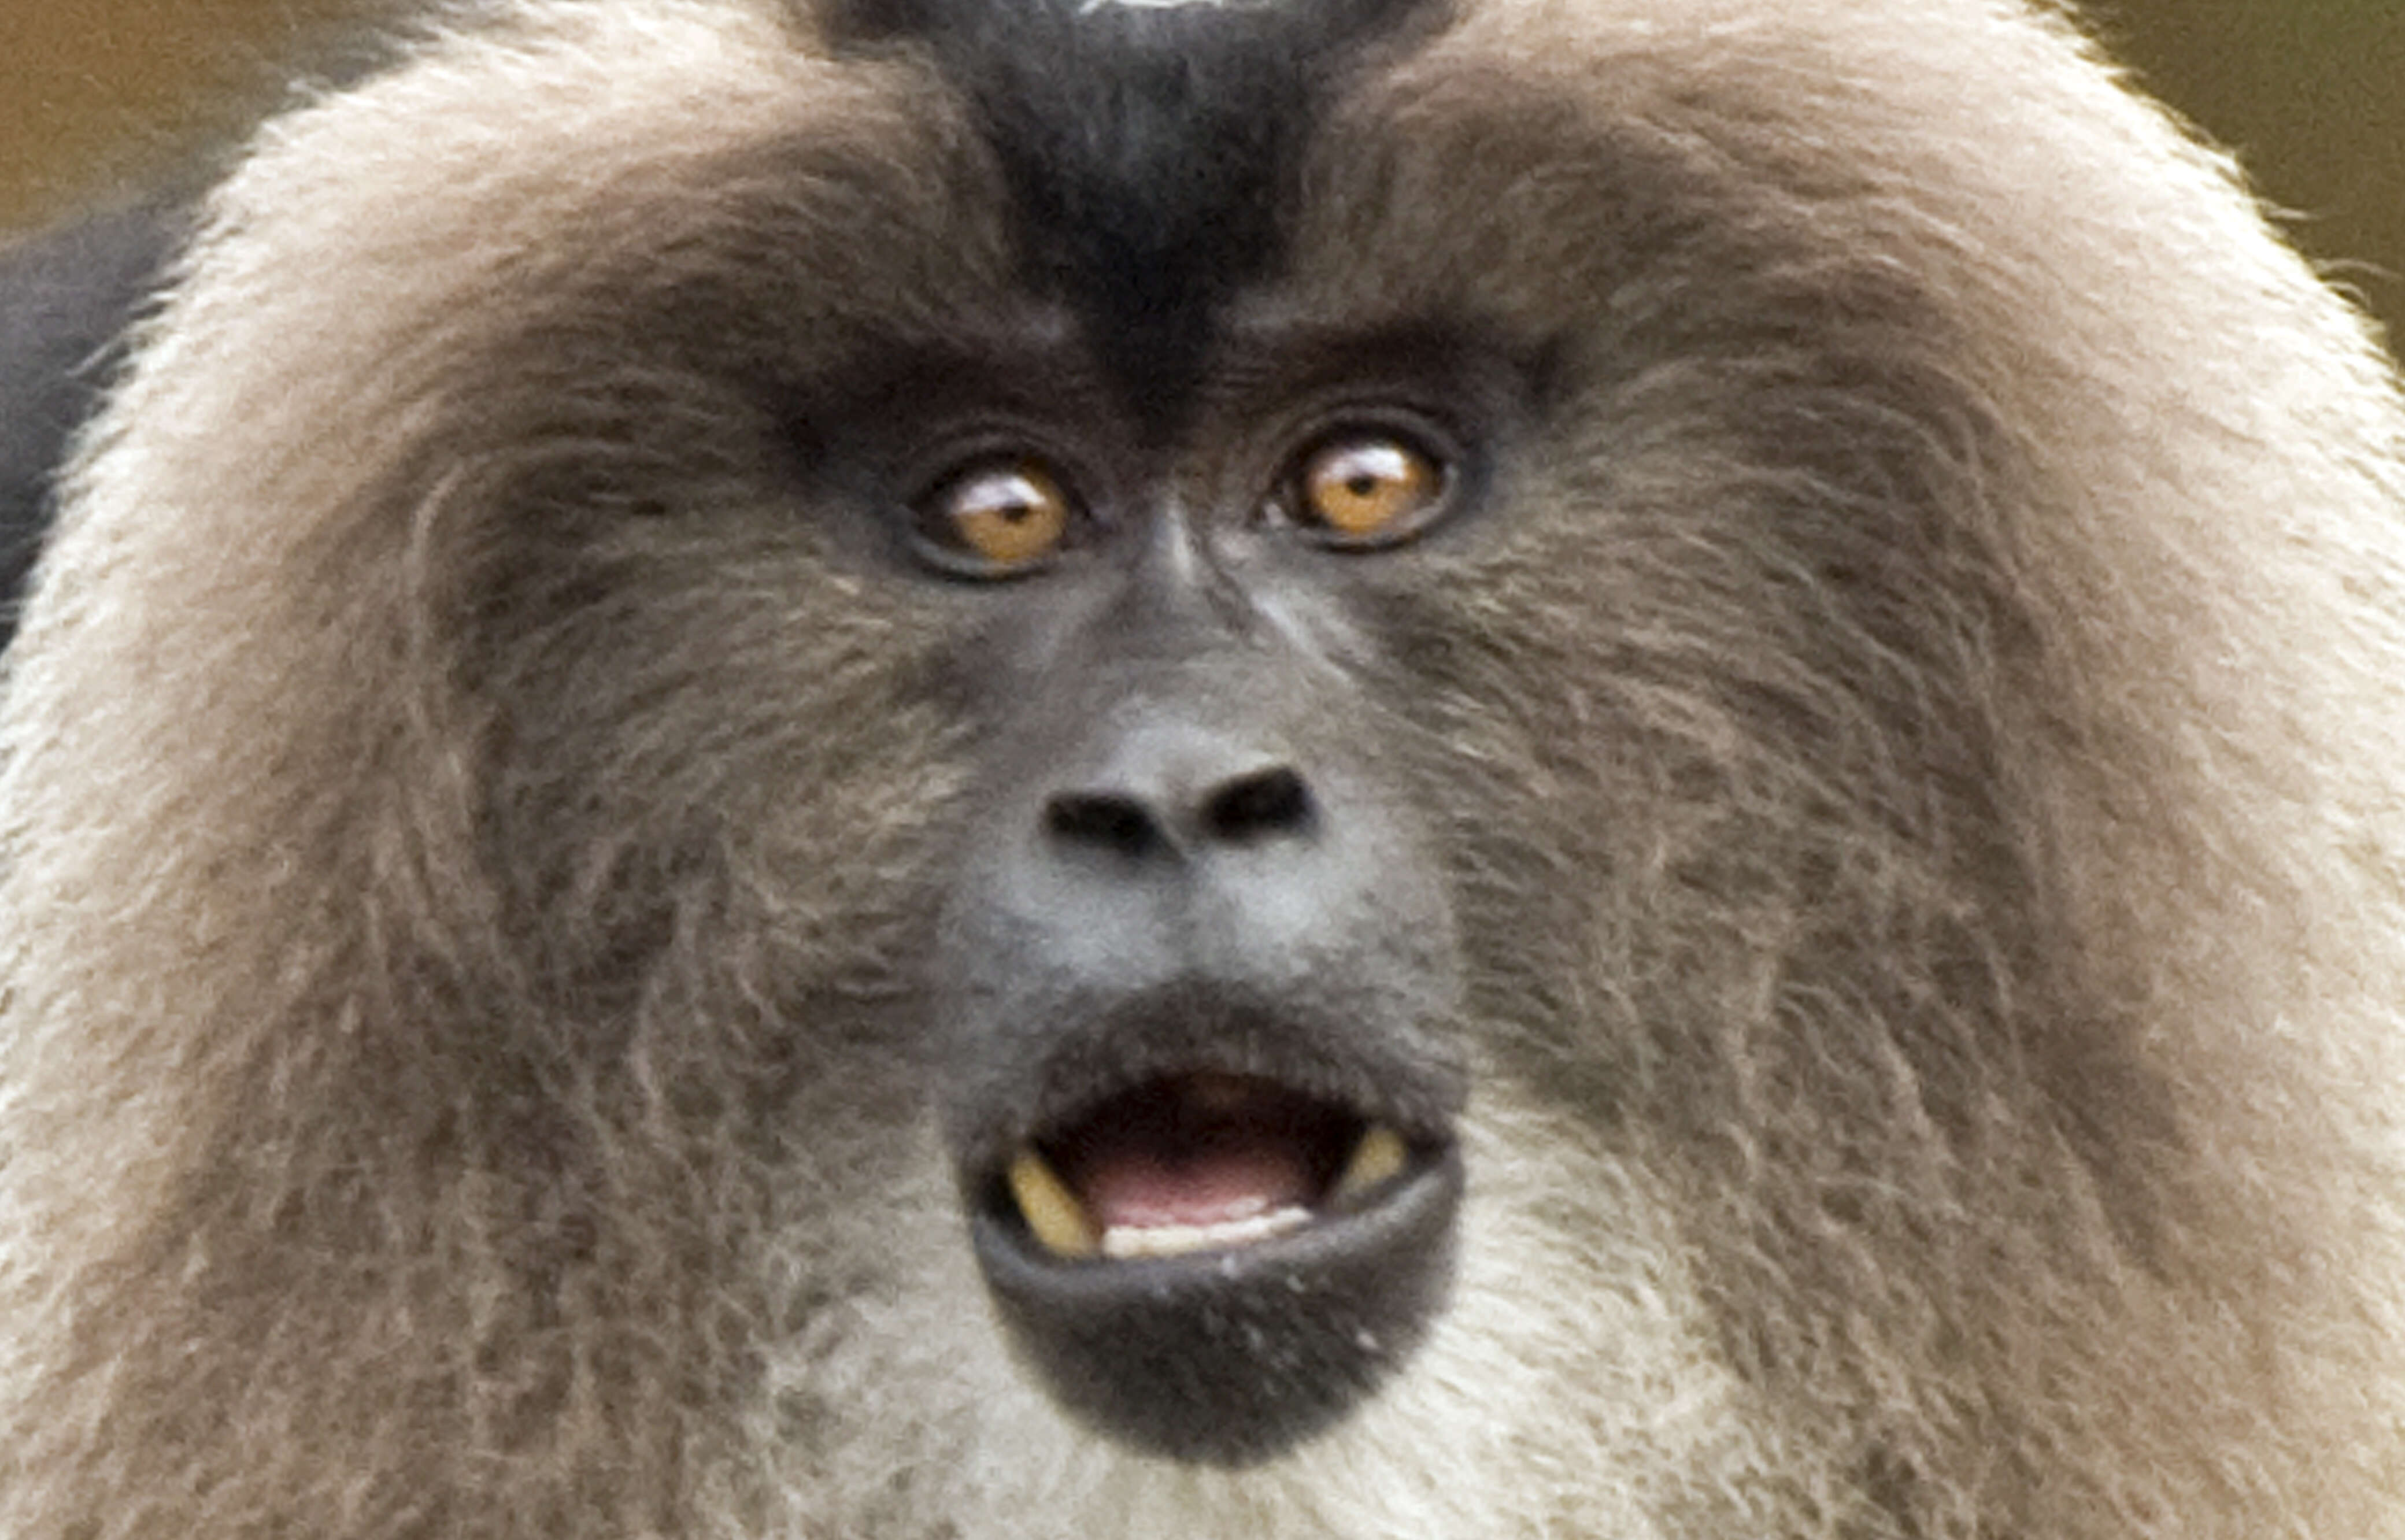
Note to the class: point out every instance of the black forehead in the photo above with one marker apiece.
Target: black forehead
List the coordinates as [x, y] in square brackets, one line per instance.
[1150, 149]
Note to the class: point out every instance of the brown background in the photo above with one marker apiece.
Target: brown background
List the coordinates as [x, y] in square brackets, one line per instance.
[98, 96]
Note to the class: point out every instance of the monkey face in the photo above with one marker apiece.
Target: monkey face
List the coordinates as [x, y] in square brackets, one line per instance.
[1199, 978]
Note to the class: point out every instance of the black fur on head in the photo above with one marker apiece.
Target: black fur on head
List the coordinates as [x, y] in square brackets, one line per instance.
[1150, 148]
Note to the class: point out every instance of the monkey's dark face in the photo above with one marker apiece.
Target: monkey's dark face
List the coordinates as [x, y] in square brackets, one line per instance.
[1198, 977]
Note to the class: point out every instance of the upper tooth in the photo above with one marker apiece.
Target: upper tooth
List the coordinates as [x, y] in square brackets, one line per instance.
[1052, 1212]
[1379, 1157]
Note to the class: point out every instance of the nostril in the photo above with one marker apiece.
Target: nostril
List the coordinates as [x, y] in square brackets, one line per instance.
[1102, 820]
[1257, 806]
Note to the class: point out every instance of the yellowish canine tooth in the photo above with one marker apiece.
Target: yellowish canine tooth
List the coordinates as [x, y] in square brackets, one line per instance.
[1379, 1157]
[1052, 1212]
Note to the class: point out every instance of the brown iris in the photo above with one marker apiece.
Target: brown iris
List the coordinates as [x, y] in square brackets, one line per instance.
[1002, 515]
[1367, 488]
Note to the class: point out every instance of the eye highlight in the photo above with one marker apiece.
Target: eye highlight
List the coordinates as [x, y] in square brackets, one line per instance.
[1368, 487]
[995, 517]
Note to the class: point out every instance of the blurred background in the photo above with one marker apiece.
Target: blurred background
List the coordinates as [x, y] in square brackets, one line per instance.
[101, 96]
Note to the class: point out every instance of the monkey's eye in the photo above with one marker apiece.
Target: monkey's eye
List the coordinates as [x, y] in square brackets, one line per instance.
[1367, 487]
[995, 517]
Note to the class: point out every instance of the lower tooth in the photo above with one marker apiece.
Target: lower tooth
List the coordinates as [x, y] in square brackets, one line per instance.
[1053, 1214]
[1379, 1157]
[1124, 1242]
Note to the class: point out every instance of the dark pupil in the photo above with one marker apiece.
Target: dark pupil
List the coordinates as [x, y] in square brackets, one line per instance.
[1012, 502]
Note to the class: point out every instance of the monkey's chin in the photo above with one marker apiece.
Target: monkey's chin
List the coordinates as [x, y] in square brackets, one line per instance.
[1235, 1349]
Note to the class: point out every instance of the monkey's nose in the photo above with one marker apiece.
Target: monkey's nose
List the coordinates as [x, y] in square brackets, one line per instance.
[1165, 814]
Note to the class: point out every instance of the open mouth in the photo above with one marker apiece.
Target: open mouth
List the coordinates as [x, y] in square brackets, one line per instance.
[1197, 1163]
[1213, 1265]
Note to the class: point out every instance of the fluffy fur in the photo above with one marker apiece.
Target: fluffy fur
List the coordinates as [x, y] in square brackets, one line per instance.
[1918, 745]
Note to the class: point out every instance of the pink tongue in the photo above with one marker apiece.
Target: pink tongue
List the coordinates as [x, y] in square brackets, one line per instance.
[1212, 1182]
